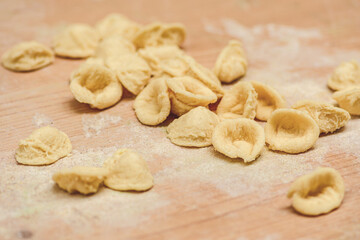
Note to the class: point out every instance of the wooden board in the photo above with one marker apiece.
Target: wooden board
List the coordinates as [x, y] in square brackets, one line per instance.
[198, 194]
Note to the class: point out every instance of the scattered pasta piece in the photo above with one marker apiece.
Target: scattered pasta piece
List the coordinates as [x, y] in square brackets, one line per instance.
[318, 192]
[128, 171]
[131, 70]
[349, 99]
[346, 75]
[113, 47]
[268, 100]
[96, 85]
[231, 63]
[178, 107]
[239, 138]
[85, 180]
[76, 41]
[291, 131]
[328, 117]
[191, 91]
[44, 146]
[193, 129]
[27, 56]
[152, 105]
[117, 25]
[239, 101]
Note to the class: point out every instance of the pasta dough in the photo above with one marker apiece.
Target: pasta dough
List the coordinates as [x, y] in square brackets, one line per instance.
[268, 100]
[27, 56]
[113, 47]
[76, 41]
[328, 117]
[231, 63]
[239, 138]
[318, 192]
[128, 171]
[239, 101]
[44, 146]
[291, 131]
[346, 75]
[178, 107]
[193, 129]
[349, 99]
[85, 180]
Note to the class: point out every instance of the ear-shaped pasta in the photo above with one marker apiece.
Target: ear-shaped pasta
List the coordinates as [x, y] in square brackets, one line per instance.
[239, 138]
[157, 34]
[168, 59]
[349, 99]
[44, 146]
[76, 41]
[346, 75]
[80, 179]
[291, 131]
[268, 100]
[239, 101]
[27, 56]
[191, 91]
[117, 25]
[318, 192]
[193, 129]
[152, 105]
[128, 171]
[328, 117]
[96, 85]
[178, 107]
[231, 63]
[113, 47]
[131, 70]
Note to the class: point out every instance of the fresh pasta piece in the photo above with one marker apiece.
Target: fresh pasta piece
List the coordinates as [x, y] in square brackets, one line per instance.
[268, 100]
[328, 117]
[44, 146]
[349, 99]
[152, 105]
[166, 59]
[178, 107]
[76, 41]
[346, 75]
[27, 56]
[157, 34]
[131, 70]
[193, 129]
[239, 101]
[291, 131]
[113, 47]
[128, 171]
[117, 25]
[231, 63]
[191, 91]
[239, 138]
[318, 192]
[85, 180]
[95, 85]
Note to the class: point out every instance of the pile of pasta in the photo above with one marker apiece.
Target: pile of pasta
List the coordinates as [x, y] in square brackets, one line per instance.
[148, 62]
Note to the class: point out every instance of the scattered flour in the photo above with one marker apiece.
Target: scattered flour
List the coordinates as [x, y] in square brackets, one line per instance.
[41, 120]
[93, 125]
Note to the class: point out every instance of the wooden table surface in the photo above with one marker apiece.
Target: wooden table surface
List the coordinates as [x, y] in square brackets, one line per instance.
[198, 193]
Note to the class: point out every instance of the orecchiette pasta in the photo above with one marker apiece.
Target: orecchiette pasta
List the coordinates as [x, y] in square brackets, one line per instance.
[27, 56]
[291, 131]
[346, 75]
[80, 179]
[193, 129]
[178, 107]
[328, 117]
[239, 101]
[128, 171]
[152, 105]
[76, 41]
[268, 100]
[349, 99]
[239, 138]
[96, 85]
[113, 47]
[231, 64]
[44, 146]
[318, 192]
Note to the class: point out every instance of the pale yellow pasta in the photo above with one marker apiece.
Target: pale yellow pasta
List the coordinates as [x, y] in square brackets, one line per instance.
[349, 99]
[178, 107]
[346, 75]
[113, 47]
